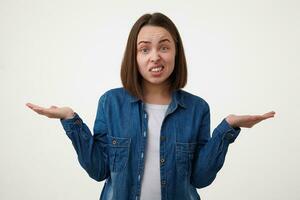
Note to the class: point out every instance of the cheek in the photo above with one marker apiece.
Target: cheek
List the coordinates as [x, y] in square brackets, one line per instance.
[141, 66]
[170, 61]
[140, 69]
[140, 61]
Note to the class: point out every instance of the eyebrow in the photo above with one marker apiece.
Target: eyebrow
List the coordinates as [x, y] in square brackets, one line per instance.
[161, 41]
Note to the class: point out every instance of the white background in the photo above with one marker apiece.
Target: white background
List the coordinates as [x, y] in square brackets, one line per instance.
[243, 58]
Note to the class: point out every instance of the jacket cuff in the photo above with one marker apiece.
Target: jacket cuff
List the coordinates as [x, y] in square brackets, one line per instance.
[228, 132]
[70, 124]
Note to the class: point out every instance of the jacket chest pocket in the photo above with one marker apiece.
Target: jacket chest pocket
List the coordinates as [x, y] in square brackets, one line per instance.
[118, 149]
[184, 157]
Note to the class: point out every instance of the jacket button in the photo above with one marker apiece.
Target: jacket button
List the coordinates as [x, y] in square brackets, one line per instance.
[114, 142]
[162, 138]
[162, 161]
[163, 182]
[229, 136]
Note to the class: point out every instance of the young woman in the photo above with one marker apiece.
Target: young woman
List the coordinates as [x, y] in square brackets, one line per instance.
[151, 139]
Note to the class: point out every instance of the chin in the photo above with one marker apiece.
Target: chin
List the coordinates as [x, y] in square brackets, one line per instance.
[157, 82]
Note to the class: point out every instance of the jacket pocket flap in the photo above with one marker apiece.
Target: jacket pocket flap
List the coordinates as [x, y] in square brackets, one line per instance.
[118, 142]
[186, 147]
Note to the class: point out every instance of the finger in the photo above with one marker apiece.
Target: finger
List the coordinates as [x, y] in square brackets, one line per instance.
[261, 117]
[30, 105]
[53, 107]
[39, 110]
[269, 114]
[33, 106]
[43, 111]
[252, 118]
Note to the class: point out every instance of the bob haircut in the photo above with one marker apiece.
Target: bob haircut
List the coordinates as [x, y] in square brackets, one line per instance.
[130, 75]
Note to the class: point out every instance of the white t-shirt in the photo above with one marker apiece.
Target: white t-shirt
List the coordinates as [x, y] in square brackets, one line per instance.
[150, 188]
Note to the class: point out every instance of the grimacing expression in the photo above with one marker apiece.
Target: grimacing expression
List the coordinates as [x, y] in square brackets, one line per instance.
[156, 52]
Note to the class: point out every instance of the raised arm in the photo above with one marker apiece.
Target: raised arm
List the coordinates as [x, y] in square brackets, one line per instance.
[210, 156]
[91, 149]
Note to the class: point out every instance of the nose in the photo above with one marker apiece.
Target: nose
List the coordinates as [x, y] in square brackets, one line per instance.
[154, 56]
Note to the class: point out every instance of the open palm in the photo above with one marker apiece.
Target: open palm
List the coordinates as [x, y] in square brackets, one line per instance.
[53, 111]
[247, 121]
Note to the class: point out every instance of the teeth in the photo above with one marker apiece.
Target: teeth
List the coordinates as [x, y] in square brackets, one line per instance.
[156, 69]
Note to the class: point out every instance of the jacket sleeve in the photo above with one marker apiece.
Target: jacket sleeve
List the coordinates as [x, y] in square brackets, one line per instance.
[91, 149]
[210, 155]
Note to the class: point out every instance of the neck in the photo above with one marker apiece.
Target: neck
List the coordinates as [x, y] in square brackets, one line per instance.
[156, 94]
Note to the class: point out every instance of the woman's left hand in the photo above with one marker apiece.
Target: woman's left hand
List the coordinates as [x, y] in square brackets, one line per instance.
[247, 121]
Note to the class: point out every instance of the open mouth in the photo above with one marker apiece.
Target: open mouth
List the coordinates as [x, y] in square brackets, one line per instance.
[157, 69]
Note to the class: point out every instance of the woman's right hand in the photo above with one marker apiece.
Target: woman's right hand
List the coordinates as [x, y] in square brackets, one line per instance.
[53, 111]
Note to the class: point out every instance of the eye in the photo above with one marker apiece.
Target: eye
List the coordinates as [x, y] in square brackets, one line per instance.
[164, 48]
[144, 50]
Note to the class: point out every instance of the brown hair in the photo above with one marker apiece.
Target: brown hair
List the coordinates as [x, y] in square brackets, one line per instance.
[130, 76]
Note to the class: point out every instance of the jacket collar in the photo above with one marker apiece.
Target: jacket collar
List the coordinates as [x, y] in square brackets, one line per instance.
[177, 98]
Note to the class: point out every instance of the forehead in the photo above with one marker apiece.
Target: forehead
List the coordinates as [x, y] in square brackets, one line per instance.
[153, 34]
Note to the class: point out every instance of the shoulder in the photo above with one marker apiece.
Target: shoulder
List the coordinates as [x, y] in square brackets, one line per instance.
[115, 91]
[190, 99]
[119, 94]
[190, 96]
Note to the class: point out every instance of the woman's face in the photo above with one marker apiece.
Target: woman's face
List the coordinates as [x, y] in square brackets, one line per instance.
[155, 55]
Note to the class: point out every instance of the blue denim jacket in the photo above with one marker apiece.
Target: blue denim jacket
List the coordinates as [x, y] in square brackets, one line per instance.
[190, 157]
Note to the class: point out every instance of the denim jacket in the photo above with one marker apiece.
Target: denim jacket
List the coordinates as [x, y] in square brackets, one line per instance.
[189, 157]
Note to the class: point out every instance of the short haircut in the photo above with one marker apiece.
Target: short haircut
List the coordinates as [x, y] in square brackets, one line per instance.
[130, 76]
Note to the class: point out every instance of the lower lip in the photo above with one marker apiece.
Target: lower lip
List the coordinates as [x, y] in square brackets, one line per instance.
[157, 74]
